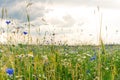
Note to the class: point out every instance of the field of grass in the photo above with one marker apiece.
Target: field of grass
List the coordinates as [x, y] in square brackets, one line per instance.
[23, 62]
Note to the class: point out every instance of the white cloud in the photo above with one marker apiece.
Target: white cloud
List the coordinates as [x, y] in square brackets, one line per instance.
[89, 3]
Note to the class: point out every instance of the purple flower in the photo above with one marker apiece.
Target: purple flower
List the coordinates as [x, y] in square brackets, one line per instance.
[8, 22]
[9, 71]
[25, 33]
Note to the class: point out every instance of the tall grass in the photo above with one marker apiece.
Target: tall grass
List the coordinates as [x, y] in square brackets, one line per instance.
[29, 63]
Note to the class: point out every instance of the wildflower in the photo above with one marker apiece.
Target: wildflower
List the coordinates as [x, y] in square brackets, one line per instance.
[30, 54]
[1, 51]
[44, 77]
[8, 22]
[20, 56]
[45, 57]
[78, 59]
[19, 77]
[93, 58]
[25, 33]
[9, 71]
[106, 68]
[84, 57]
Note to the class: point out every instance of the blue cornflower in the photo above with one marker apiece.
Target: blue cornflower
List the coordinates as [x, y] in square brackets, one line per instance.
[8, 22]
[25, 32]
[93, 58]
[9, 71]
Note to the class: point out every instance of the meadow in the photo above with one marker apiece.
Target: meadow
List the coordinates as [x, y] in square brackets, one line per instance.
[57, 62]
[63, 62]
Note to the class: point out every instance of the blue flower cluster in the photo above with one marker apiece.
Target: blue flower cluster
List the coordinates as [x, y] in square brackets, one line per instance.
[25, 33]
[9, 71]
[8, 22]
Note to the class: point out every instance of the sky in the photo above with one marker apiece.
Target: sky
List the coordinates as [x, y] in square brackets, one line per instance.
[73, 21]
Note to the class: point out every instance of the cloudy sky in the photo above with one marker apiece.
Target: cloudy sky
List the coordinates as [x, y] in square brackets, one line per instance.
[72, 21]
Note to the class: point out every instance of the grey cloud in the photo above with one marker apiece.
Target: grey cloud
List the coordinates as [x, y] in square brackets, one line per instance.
[17, 9]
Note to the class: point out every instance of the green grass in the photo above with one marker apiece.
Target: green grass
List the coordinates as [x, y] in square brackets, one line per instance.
[59, 62]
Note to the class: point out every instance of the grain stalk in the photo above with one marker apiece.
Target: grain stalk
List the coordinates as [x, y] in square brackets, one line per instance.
[28, 21]
[100, 40]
